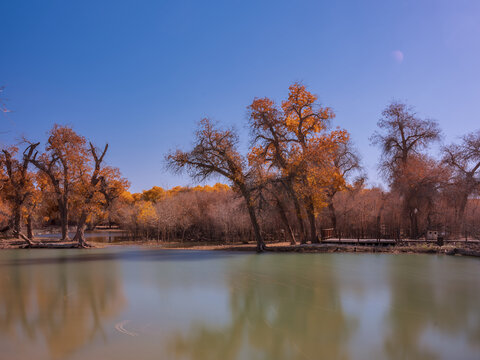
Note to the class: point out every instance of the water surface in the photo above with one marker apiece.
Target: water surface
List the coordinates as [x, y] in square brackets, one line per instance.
[128, 303]
[95, 236]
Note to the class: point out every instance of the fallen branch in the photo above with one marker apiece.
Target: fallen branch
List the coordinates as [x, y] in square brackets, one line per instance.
[41, 245]
[22, 236]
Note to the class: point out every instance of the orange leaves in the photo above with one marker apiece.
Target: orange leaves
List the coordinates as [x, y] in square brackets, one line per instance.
[126, 196]
[155, 194]
[303, 116]
[145, 212]
[264, 113]
[221, 187]
[294, 140]
[299, 96]
[65, 144]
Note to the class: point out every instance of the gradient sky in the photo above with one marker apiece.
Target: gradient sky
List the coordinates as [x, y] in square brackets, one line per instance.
[140, 74]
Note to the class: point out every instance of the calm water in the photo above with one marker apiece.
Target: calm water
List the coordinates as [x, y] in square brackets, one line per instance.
[95, 236]
[129, 303]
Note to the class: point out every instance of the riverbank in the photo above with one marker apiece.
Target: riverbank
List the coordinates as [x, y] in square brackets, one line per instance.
[464, 249]
[458, 248]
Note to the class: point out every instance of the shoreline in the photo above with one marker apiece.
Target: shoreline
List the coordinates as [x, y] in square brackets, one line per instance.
[472, 250]
[462, 249]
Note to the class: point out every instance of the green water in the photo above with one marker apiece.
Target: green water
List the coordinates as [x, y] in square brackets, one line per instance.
[126, 303]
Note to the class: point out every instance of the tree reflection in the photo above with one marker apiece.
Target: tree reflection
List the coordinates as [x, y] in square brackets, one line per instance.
[431, 298]
[275, 314]
[63, 304]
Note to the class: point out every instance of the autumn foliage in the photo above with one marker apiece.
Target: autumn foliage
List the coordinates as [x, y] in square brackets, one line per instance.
[300, 176]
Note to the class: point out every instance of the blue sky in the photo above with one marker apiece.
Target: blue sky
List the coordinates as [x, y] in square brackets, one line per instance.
[140, 74]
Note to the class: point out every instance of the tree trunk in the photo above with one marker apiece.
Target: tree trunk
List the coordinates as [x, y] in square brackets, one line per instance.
[253, 218]
[27, 240]
[459, 221]
[413, 224]
[298, 211]
[80, 234]
[29, 227]
[379, 219]
[333, 217]
[17, 218]
[64, 221]
[312, 221]
[283, 216]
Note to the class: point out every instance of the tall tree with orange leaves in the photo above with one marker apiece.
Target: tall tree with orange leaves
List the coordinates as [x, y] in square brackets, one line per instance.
[63, 164]
[271, 150]
[88, 191]
[295, 139]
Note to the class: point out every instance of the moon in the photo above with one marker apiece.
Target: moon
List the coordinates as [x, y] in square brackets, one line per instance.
[398, 56]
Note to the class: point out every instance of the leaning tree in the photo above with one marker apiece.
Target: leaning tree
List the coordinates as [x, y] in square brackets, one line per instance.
[215, 153]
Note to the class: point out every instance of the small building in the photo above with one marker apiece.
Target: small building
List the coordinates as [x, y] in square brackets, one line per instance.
[432, 235]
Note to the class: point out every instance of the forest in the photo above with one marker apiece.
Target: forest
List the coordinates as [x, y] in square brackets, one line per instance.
[301, 181]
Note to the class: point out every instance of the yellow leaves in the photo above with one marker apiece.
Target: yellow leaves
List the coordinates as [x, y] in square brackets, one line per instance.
[299, 96]
[137, 197]
[155, 194]
[127, 196]
[221, 187]
[175, 190]
[70, 147]
[294, 140]
[208, 188]
[145, 212]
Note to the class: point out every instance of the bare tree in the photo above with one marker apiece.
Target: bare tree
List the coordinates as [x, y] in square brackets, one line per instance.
[347, 163]
[402, 137]
[464, 158]
[402, 133]
[19, 186]
[215, 152]
[3, 105]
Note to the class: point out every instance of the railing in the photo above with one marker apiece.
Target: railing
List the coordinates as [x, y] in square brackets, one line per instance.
[327, 233]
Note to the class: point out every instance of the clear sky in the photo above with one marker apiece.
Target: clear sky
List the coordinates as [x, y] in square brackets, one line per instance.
[140, 74]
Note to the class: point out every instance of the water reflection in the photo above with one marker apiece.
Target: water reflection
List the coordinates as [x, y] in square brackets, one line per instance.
[433, 302]
[61, 306]
[93, 236]
[150, 304]
[280, 309]
[344, 307]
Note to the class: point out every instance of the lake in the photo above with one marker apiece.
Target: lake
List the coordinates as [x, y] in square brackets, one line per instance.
[93, 236]
[133, 303]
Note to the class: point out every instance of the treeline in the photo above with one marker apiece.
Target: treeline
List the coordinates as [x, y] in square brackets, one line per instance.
[300, 181]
